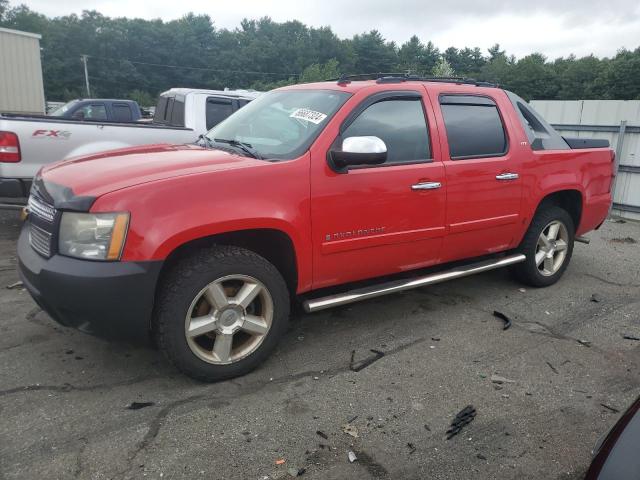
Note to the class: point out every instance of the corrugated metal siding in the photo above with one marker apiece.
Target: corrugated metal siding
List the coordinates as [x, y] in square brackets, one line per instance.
[21, 88]
[603, 113]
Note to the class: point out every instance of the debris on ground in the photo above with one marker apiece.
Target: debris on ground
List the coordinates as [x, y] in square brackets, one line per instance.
[619, 220]
[17, 284]
[611, 409]
[522, 290]
[435, 339]
[631, 337]
[627, 240]
[280, 461]
[481, 457]
[500, 380]
[352, 456]
[357, 366]
[427, 427]
[139, 405]
[322, 434]
[352, 419]
[504, 318]
[69, 352]
[553, 369]
[412, 447]
[295, 471]
[585, 343]
[465, 416]
[595, 298]
[350, 430]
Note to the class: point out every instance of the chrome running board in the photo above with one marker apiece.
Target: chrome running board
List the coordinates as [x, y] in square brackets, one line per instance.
[314, 305]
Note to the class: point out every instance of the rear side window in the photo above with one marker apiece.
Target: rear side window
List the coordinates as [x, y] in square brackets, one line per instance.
[122, 112]
[161, 110]
[401, 125]
[474, 127]
[217, 110]
[177, 113]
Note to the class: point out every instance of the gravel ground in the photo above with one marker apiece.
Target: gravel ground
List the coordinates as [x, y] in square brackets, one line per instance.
[64, 395]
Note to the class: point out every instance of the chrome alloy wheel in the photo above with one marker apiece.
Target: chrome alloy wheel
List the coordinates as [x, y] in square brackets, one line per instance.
[551, 249]
[229, 319]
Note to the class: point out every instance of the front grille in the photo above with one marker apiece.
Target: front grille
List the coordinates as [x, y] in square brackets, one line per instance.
[40, 240]
[41, 209]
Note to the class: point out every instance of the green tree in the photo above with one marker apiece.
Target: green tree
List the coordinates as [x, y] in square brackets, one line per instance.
[321, 71]
[373, 54]
[443, 69]
[417, 58]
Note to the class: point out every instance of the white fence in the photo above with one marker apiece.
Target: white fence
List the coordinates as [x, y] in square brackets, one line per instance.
[615, 120]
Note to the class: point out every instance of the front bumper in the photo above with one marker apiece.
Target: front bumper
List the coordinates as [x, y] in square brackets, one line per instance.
[113, 300]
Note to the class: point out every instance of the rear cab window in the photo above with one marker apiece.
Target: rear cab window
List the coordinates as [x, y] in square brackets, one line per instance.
[122, 112]
[170, 111]
[474, 126]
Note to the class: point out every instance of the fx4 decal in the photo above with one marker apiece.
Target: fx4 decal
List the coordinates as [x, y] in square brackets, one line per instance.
[52, 134]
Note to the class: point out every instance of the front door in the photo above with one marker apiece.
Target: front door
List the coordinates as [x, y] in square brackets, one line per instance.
[382, 219]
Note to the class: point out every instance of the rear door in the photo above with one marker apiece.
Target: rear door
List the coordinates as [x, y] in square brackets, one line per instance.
[381, 219]
[484, 187]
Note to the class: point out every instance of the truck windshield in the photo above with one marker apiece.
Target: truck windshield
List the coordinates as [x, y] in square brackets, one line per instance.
[60, 111]
[281, 124]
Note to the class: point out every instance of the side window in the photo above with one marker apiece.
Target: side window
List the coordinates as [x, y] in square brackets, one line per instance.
[217, 110]
[91, 112]
[401, 125]
[122, 112]
[161, 110]
[474, 127]
[177, 113]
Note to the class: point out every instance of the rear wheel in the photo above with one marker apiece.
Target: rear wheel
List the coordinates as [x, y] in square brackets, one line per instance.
[548, 246]
[221, 312]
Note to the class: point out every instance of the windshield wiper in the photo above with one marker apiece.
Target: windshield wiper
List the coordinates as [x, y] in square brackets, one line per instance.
[208, 143]
[245, 147]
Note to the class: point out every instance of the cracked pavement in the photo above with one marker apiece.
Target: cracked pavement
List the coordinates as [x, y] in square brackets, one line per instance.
[64, 395]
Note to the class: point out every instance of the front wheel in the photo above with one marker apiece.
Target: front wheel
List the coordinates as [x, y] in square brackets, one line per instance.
[220, 312]
[548, 245]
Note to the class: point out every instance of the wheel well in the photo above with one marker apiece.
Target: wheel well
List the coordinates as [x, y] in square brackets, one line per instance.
[569, 200]
[274, 245]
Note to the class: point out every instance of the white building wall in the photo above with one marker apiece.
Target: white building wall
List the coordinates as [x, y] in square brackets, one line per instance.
[21, 85]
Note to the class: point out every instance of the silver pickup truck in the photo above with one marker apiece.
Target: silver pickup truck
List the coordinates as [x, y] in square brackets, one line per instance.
[28, 143]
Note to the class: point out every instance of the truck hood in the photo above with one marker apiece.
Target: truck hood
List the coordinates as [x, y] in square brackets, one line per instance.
[79, 181]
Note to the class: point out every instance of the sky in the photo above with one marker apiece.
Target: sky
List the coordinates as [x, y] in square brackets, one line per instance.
[553, 27]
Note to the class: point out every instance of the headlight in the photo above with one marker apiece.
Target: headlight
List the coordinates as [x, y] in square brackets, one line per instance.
[93, 236]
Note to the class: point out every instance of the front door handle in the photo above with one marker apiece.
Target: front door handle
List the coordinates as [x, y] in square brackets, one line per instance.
[426, 186]
[507, 176]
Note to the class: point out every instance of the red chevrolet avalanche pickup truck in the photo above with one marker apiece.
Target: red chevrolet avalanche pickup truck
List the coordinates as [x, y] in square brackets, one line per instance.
[310, 192]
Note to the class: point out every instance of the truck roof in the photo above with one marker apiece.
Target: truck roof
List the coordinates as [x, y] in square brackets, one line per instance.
[248, 94]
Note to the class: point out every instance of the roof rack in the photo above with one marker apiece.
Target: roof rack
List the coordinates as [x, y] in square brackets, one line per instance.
[405, 77]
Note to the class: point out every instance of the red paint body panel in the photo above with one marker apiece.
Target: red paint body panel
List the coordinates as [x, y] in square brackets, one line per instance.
[344, 227]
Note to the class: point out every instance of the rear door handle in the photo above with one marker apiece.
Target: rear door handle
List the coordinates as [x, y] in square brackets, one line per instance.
[507, 176]
[426, 186]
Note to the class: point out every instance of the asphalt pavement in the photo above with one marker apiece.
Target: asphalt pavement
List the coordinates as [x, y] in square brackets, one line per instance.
[566, 371]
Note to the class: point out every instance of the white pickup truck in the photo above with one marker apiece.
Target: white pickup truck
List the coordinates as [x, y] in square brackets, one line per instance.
[28, 143]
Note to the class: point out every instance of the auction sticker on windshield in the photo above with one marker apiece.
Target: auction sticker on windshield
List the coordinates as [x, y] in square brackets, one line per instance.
[308, 115]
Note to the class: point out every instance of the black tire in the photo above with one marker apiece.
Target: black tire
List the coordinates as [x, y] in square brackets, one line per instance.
[528, 272]
[182, 285]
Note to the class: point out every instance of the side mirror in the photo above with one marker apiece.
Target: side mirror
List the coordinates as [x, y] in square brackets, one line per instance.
[358, 151]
